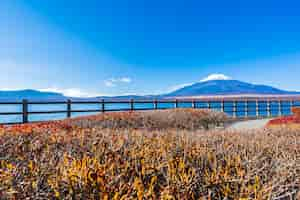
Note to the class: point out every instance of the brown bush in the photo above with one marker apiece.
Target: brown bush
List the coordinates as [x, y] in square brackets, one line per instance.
[189, 119]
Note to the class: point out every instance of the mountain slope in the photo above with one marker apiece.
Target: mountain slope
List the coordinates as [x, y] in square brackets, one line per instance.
[18, 95]
[203, 88]
[226, 87]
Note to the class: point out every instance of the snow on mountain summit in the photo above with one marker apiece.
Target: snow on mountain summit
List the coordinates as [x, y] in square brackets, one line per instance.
[213, 77]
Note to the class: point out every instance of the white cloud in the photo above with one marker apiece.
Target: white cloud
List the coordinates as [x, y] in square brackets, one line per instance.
[109, 83]
[212, 77]
[71, 92]
[125, 80]
[68, 92]
[115, 81]
[11, 89]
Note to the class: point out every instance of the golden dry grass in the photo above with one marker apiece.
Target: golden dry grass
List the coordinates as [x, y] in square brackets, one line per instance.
[80, 161]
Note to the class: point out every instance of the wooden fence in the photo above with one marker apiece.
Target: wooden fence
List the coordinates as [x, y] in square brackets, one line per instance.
[231, 105]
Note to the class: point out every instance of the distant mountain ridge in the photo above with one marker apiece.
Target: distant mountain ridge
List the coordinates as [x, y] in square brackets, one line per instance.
[18, 95]
[203, 88]
[227, 87]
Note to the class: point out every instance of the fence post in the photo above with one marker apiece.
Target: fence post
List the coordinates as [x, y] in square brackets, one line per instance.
[234, 110]
[131, 104]
[268, 108]
[103, 105]
[25, 110]
[279, 108]
[69, 103]
[257, 108]
[222, 106]
[208, 105]
[291, 106]
[246, 109]
[176, 103]
[155, 104]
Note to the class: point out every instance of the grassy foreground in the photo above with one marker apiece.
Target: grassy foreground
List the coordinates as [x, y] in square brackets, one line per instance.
[144, 156]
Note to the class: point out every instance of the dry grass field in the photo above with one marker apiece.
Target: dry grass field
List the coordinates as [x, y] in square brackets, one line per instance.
[176, 154]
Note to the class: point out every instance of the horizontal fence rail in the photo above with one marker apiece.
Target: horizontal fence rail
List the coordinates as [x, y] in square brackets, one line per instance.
[239, 108]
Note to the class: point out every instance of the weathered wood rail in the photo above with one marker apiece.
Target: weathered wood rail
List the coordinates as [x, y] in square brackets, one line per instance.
[229, 105]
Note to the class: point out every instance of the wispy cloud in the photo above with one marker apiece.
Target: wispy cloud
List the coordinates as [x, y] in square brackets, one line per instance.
[68, 92]
[112, 82]
[109, 83]
[72, 92]
[125, 80]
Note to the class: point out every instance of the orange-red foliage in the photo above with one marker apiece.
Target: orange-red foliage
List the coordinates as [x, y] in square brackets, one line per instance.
[296, 111]
[287, 120]
[49, 127]
[284, 120]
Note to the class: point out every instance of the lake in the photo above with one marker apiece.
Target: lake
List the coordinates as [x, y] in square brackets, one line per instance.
[228, 108]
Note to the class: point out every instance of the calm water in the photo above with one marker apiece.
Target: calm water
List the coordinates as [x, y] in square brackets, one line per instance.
[285, 107]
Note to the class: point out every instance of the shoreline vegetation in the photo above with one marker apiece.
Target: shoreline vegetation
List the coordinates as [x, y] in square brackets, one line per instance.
[170, 154]
[291, 122]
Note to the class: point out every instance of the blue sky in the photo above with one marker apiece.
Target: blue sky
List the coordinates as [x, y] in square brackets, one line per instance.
[114, 47]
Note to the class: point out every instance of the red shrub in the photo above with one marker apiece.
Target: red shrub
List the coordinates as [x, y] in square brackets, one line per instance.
[284, 121]
[296, 111]
[41, 127]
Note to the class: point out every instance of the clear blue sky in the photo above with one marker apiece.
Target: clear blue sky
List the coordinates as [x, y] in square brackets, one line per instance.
[135, 46]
